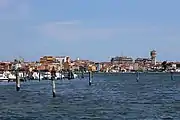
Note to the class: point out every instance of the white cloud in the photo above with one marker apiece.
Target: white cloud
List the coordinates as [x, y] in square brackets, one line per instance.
[67, 22]
[76, 30]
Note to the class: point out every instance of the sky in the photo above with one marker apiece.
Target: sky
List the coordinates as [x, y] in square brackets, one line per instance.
[89, 29]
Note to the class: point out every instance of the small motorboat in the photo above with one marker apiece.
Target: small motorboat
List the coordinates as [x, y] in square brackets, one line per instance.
[3, 78]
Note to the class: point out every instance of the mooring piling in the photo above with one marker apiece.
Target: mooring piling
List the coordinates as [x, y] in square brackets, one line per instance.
[137, 76]
[17, 81]
[53, 75]
[39, 76]
[82, 73]
[69, 75]
[172, 76]
[60, 74]
[16, 69]
[53, 87]
[90, 78]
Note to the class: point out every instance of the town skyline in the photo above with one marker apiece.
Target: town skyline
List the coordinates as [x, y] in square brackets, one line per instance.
[81, 58]
[116, 64]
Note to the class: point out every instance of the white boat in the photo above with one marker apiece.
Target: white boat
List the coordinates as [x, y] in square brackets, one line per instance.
[59, 76]
[36, 76]
[8, 75]
[3, 77]
[11, 77]
[21, 75]
[47, 76]
[75, 75]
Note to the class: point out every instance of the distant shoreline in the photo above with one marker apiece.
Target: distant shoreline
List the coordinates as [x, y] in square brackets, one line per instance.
[135, 72]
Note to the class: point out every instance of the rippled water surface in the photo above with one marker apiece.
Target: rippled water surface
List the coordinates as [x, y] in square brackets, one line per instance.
[111, 97]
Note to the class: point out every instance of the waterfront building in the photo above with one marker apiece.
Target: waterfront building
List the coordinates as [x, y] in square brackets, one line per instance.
[5, 66]
[177, 65]
[142, 60]
[47, 59]
[98, 66]
[153, 57]
[67, 64]
[62, 59]
[122, 60]
[92, 68]
[135, 66]
[173, 66]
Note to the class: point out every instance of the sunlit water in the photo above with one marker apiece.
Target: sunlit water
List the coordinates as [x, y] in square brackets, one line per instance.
[110, 97]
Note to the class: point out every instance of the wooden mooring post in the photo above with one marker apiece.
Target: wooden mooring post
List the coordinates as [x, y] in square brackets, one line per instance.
[82, 73]
[172, 75]
[90, 78]
[39, 75]
[16, 68]
[53, 88]
[53, 75]
[137, 76]
[17, 81]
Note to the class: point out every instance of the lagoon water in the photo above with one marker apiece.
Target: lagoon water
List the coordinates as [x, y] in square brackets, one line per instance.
[111, 97]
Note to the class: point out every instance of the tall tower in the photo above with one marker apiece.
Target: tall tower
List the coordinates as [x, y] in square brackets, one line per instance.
[153, 57]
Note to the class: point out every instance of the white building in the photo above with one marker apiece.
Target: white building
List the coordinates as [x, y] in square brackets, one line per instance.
[173, 66]
[61, 59]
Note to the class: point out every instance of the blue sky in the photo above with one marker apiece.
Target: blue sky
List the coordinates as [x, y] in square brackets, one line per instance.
[89, 29]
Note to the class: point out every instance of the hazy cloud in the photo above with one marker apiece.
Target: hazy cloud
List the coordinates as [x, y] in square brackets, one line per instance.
[4, 4]
[13, 9]
[77, 30]
[66, 22]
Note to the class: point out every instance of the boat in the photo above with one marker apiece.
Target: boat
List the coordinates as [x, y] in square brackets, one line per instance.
[3, 78]
[75, 75]
[36, 76]
[47, 76]
[59, 76]
[11, 77]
